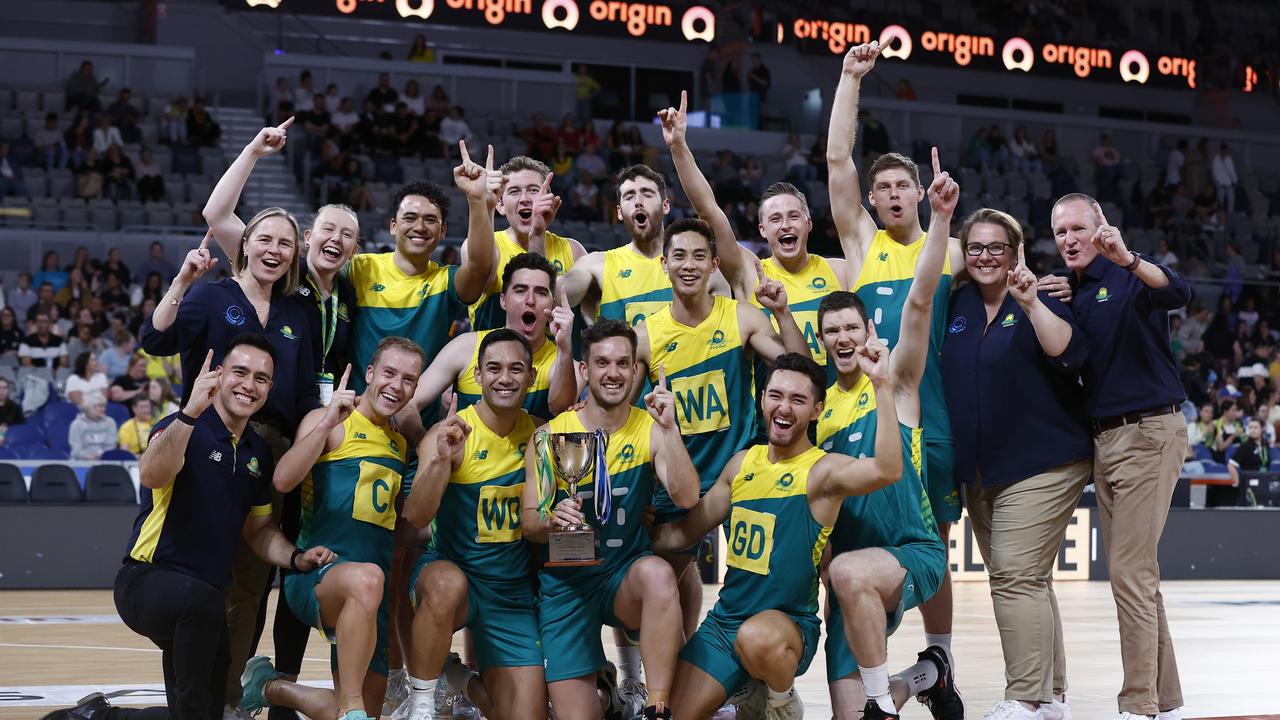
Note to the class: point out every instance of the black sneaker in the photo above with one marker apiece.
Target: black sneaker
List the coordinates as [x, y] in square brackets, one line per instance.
[943, 699]
[90, 707]
[873, 712]
[653, 713]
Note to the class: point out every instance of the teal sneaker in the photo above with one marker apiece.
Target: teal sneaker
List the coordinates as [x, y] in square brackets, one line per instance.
[354, 715]
[257, 673]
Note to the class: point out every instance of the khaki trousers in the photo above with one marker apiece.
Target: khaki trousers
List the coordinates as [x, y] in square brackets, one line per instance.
[1019, 529]
[1136, 468]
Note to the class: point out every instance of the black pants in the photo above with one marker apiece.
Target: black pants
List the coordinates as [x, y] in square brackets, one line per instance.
[289, 633]
[186, 618]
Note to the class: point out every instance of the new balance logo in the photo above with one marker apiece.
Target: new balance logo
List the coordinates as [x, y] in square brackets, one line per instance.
[215, 456]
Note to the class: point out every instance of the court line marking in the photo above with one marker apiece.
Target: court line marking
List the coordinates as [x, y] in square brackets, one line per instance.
[38, 646]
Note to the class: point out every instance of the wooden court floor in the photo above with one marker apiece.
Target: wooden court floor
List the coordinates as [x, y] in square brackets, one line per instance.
[1227, 635]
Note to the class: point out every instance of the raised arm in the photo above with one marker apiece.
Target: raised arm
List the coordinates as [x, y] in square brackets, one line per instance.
[167, 452]
[1053, 332]
[710, 511]
[671, 460]
[732, 262]
[194, 266]
[220, 210]
[839, 476]
[584, 274]
[563, 385]
[1168, 289]
[440, 374]
[316, 436]
[439, 454]
[482, 186]
[854, 224]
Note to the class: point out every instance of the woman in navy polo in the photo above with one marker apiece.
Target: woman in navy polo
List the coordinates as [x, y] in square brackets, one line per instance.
[1023, 450]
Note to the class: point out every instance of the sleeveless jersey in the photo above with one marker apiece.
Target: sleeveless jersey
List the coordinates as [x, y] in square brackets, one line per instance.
[886, 277]
[390, 303]
[535, 402]
[775, 543]
[805, 291]
[895, 516]
[486, 313]
[633, 286]
[349, 499]
[478, 524]
[710, 373]
[629, 460]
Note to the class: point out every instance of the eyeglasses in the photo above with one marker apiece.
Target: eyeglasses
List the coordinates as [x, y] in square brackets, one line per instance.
[997, 249]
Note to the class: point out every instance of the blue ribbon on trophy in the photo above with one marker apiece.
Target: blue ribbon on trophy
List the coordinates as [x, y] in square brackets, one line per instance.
[602, 485]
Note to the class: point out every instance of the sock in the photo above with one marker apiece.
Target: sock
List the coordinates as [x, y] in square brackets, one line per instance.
[629, 667]
[778, 699]
[919, 677]
[458, 676]
[876, 682]
[943, 639]
[422, 690]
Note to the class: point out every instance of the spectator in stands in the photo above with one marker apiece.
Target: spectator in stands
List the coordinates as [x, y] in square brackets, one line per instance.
[1201, 429]
[759, 79]
[1049, 151]
[1252, 455]
[118, 356]
[1225, 178]
[88, 177]
[92, 432]
[86, 378]
[1025, 155]
[439, 102]
[590, 161]
[11, 334]
[44, 302]
[282, 100]
[22, 297]
[124, 388]
[10, 411]
[798, 169]
[710, 79]
[163, 401]
[49, 145]
[413, 98]
[43, 348]
[61, 322]
[135, 433]
[1196, 170]
[419, 52]
[540, 138]
[106, 135]
[1174, 164]
[1227, 429]
[584, 200]
[731, 76]
[570, 135]
[114, 295]
[331, 95]
[585, 90]
[150, 177]
[152, 289]
[818, 155]
[1106, 165]
[82, 89]
[875, 136]
[202, 131]
[454, 128]
[345, 117]
[384, 96]
[125, 116]
[175, 121]
[117, 174]
[407, 127]
[115, 266]
[355, 192]
[12, 181]
[77, 290]
[85, 341]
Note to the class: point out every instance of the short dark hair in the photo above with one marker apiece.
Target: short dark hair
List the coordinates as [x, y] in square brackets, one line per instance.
[249, 339]
[603, 330]
[82, 364]
[528, 261]
[688, 224]
[426, 189]
[803, 364]
[502, 335]
[840, 300]
[398, 343]
[643, 171]
[784, 188]
[891, 160]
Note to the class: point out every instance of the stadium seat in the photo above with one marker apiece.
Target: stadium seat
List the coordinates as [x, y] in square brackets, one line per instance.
[109, 484]
[59, 411]
[13, 487]
[1214, 468]
[1230, 452]
[42, 452]
[1202, 453]
[22, 435]
[55, 484]
[120, 455]
[8, 454]
[118, 412]
[56, 434]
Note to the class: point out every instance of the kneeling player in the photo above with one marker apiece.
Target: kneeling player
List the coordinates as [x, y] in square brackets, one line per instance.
[887, 557]
[631, 588]
[350, 462]
[477, 573]
[781, 501]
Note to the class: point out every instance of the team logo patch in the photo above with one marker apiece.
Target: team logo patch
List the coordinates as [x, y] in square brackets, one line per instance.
[234, 316]
[288, 332]
[361, 436]
[304, 291]
[392, 444]
[884, 257]
[747, 478]
[521, 448]
[863, 399]
[559, 266]
[785, 481]
[252, 467]
[958, 325]
[377, 287]
[624, 273]
[215, 456]
[717, 338]
[1103, 295]
[627, 452]
[818, 283]
[481, 455]
[343, 312]
[1008, 320]
[422, 292]
[671, 347]
[826, 415]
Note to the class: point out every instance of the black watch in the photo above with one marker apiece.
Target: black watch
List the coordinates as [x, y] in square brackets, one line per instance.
[185, 418]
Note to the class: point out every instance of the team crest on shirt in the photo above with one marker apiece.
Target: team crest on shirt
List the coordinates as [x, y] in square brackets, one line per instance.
[1103, 295]
[884, 257]
[392, 444]
[234, 316]
[481, 455]
[288, 332]
[377, 287]
[863, 399]
[785, 481]
[422, 292]
[747, 478]
[343, 313]
[671, 347]
[1008, 320]
[252, 467]
[361, 436]
[627, 452]
[521, 448]
[818, 283]
[958, 325]
[717, 338]
[559, 266]
[826, 415]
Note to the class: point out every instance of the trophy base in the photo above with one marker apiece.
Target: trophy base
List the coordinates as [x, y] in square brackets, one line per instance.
[572, 548]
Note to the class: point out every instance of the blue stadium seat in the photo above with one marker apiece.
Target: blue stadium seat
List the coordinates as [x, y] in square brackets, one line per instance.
[1201, 452]
[1231, 452]
[8, 454]
[109, 484]
[58, 411]
[56, 435]
[1214, 468]
[25, 434]
[13, 487]
[118, 412]
[41, 452]
[118, 454]
[55, 484]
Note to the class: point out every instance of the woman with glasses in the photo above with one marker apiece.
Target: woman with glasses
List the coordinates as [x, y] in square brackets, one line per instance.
[1023, 449]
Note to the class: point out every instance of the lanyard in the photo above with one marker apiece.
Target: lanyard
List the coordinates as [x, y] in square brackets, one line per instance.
[328, 320]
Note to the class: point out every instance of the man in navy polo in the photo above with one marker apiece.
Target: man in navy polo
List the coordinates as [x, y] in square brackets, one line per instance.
[1121, 301]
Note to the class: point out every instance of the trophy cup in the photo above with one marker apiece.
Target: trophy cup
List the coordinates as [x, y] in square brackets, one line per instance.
[565, 459]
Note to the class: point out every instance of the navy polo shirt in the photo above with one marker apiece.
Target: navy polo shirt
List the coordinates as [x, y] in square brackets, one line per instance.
[319, 322]
[192, 525]
[212, 314]
[1126, 324]
[1015, 411]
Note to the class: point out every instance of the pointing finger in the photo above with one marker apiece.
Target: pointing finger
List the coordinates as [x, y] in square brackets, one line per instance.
[462, 152]
[1022, 254]
[345, 374]
[546, 184]
[488, 162]
[564, 298]
[204, 242]
[208, 360]
[662, 376]
[937, 166]
[876, 49]
[684, 102]
[453, 405]
[285, 125]
[1102, 219]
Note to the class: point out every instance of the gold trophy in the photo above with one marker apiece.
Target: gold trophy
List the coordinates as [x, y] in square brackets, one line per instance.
[568, 458]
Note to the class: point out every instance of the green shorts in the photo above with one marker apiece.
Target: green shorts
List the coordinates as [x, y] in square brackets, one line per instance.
[711, 648]
[940, 480]
[501, 616]
[924, 565]
[570, 623]
[300, 594]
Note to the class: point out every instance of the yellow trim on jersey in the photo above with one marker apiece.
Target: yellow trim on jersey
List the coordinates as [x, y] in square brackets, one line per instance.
[380, 284]
[362, 439]
[260, 510]
[760, 479]
[144, 548]
[627, 274]
[627, 448]
[488, 455]
[844, 407]
[678, 346]
[917, 451]
[887, 260]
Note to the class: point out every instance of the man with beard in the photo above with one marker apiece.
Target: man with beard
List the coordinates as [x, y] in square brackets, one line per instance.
[477, 574]
[706, 344]
[781, 501]
[529, 207]
[630, 588]
[528, 289]
[350, 462]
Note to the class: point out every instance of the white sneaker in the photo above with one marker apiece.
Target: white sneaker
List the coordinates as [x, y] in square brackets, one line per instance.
[1011, 710]
[634, 696]
[1058, 709]
[1174, 714]
[464, 710]
[1132, 716]
[416, 707]
[235, 713]
[749, 701]
[793, 710]
[397, 691]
